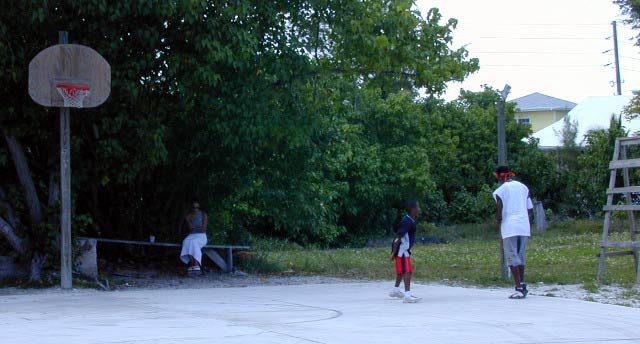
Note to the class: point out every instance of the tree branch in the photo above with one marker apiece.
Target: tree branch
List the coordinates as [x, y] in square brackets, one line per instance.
[9, 213]
[26, 179]
[18, 244]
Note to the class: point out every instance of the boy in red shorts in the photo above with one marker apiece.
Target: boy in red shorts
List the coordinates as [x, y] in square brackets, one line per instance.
[401, 253]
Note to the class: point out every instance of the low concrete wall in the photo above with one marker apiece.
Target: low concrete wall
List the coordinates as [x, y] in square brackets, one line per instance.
[86, 263]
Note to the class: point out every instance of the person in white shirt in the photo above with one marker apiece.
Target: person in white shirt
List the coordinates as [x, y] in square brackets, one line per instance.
[514, 204]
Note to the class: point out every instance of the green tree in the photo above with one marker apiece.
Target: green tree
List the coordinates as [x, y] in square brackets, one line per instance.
[242, 103]
[631, 8]
[462, 142]
[569, 151]
[586, 189]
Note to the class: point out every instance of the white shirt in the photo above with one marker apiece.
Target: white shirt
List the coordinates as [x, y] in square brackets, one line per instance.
[515, 206]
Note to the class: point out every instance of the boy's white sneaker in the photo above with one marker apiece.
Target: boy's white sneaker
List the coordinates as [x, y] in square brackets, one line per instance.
[411, 299]
[396, 294]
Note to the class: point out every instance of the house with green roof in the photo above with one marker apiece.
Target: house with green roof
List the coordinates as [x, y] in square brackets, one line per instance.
[540, 110]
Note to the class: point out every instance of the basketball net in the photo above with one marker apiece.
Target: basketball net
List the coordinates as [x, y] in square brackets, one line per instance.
[73, 95]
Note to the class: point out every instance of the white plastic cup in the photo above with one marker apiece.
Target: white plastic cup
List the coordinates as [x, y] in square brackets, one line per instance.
[152, 238]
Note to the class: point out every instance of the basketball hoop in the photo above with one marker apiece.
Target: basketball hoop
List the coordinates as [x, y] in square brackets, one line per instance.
[73, 95]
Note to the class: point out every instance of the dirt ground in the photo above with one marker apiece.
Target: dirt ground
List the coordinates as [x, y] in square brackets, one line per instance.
[133, 279]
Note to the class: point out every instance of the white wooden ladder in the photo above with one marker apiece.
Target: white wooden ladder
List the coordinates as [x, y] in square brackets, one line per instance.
[621, 162]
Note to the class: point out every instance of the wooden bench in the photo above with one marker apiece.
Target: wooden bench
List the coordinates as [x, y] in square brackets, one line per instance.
[88, 258]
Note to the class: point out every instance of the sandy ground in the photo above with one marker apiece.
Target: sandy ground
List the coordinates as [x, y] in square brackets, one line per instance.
[281, 312]
[608, 294]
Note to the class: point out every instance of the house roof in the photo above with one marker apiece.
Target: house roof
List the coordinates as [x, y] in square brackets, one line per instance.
[591, 114]
[540, 102]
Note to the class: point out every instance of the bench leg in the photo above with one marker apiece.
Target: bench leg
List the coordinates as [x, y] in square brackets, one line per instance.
[230, 260]
[215, 257]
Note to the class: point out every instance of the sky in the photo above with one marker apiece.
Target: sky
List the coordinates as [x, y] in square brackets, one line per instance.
[562, 48]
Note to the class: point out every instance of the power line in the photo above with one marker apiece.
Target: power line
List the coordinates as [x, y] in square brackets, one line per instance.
[544, 66]
[538, 52]
[633, 44]
[544, 38]
[539, 24]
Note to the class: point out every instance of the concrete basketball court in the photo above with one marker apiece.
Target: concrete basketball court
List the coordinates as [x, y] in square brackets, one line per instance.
[319, 313]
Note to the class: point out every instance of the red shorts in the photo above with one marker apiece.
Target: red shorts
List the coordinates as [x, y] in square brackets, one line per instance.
[403, 265]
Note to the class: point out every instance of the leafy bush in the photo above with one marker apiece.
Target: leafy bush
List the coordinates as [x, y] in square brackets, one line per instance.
[450, 234]
[588, 180]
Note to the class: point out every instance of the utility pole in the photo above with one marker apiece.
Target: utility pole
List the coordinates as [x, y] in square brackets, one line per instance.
[502, 160]
[617, 58]
[502, 136]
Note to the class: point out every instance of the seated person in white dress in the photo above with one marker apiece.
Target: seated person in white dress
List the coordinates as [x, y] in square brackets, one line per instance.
[192, 245]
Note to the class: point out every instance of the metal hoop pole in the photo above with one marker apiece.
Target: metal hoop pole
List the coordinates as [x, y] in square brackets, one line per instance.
[65, 190]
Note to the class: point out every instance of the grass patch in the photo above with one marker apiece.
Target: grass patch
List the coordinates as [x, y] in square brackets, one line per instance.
[591, 287]
[631, 293]
[560, 255]
[260, 263]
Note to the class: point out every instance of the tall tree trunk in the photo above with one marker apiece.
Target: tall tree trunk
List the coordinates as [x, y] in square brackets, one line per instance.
[9, 214]
[26, 178]
[38, 259]
[18, 244]
[8, 225]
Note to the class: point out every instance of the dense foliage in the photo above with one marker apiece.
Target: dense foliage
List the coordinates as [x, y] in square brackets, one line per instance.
[306, 120]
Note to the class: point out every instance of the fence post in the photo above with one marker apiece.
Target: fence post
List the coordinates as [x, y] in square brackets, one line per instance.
[539, 216]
